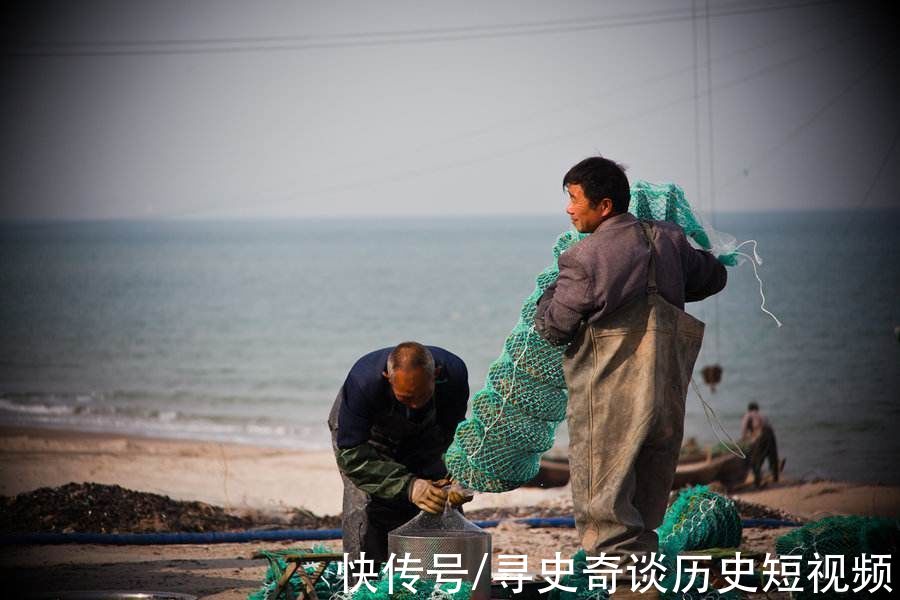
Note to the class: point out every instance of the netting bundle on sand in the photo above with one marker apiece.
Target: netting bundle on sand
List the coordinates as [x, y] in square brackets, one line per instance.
[515, 414]
[697, 520]
[848, 537]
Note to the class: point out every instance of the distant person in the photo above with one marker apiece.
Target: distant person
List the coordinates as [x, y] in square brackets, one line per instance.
[757, 433]
[391, 423]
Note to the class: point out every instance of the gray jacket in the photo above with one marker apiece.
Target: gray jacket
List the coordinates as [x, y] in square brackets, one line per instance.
[608, 269]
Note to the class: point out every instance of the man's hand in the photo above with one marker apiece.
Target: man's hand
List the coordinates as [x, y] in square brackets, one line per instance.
[457, 495]
[427, 496]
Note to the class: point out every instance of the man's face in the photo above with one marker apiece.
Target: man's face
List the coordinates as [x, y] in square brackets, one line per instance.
[584, 217]
[412, 387]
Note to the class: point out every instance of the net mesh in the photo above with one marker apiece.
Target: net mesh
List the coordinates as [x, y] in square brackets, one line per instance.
[697, 520]
[850, 537]
[514, 417]
[330, 583]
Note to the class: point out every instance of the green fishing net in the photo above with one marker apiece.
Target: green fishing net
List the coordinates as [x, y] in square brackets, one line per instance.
[578, 580]
[330, 583]
[514, 417]
[699, 519]
[849, 537]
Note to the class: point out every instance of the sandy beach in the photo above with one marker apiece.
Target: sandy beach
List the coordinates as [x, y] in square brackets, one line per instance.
[247, 479]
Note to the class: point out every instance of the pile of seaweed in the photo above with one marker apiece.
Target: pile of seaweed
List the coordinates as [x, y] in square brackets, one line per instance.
[97, 508]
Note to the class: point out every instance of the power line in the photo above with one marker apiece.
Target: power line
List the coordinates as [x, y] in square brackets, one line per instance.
[460, 163]
[228, 45]
[884, 163]
[712, 155]
[770, 153]
[696, 75]
[641, 84]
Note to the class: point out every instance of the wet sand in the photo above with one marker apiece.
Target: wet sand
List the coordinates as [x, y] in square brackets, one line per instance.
[243, 478]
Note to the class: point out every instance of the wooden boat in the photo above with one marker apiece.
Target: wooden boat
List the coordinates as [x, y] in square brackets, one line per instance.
[696, 466]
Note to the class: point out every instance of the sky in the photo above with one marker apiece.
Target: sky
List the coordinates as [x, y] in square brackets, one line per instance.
[209, 109]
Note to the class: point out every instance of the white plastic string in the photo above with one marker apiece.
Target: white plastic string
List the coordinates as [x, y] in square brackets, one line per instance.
[710, 415]
[698, 517]
[756, 260]
[506, 396]
[439, 594]
[756, 255]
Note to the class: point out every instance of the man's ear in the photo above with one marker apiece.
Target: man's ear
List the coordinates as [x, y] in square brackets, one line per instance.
[606, 207]
[385, 375]
[437, 371]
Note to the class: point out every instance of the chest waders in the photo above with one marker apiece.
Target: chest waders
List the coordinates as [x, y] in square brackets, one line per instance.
[418, 446]
[628, 376]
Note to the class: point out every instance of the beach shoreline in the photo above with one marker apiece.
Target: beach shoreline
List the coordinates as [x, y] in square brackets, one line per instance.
[240, 476]
[276, 481]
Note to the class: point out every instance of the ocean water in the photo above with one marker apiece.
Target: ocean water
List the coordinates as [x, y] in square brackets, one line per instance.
[244, 331]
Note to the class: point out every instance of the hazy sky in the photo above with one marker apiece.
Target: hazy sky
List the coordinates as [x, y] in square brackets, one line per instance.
[211, 109]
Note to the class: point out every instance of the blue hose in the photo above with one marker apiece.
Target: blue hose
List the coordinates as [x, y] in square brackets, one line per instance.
[142, 539]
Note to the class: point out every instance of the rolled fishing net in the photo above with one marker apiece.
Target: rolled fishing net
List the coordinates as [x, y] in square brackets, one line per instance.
[514, 417]
[697, 520]
[849, 537]
[666, 202]
[515, 414]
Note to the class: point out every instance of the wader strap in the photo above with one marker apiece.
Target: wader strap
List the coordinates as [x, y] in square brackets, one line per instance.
[651, 268]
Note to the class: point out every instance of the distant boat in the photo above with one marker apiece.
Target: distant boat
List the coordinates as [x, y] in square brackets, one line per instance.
[694, 467]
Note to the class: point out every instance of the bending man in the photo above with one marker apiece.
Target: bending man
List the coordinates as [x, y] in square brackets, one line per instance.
[391, 423]
[619, 300]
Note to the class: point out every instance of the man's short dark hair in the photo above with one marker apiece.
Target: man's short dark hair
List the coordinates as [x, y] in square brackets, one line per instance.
[410, 355]
[601, 178]
[753, 406]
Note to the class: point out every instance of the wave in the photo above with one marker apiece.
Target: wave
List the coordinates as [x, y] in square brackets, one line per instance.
[81, 413]
[35, 409]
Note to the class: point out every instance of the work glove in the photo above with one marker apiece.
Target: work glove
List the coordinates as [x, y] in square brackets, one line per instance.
[427, 496]
[457, 495]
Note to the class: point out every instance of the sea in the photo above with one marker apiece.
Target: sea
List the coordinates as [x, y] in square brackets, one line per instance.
[243, 331]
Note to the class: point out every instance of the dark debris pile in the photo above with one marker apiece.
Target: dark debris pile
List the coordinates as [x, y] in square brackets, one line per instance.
[96, 508]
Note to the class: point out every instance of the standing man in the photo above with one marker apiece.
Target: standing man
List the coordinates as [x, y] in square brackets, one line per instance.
[391, 423]
[757, 433]
[619, 300]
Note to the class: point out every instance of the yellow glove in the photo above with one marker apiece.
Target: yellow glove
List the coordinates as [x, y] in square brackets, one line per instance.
[457, 495]
[427, 496]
